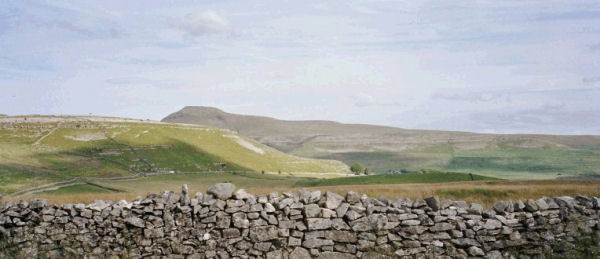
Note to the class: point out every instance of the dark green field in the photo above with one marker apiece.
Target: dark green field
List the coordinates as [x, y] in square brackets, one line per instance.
[433, 177]
[383, 148]
[507, 163]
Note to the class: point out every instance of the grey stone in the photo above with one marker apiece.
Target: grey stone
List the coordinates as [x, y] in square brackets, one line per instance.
[231, 233]
[35, 203]
[285, 202]
[352, 215]
[476, 209]
[476, 251]
[136, 222]
[361, 224]
[333, 200]
[315, 196]
[262, 246]
[316, 243]
[240, 220]
[503, 206]
[565, 201]
[277, 254]
[419, 203]
[264, 233]
[596, 202]
[340, 236]
[352, 197]
[335, 255]
[327, 213]
[312, 211]
[269, 208]
[222, 191]
[442, 226]
[519, 206]
[318, 223]
[300, 253]
[342, 209]
[531, 206]
[542, 204]
[433, 202]
[241, 194]
[492, 224]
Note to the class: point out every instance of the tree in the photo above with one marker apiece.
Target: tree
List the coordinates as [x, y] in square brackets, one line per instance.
[357, 168]
[366, 171]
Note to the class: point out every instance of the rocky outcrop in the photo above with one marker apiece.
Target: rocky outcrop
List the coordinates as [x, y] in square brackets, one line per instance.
[302, 224]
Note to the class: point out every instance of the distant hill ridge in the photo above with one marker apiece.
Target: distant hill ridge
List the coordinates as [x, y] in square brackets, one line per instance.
[38, 150]
[384, 148]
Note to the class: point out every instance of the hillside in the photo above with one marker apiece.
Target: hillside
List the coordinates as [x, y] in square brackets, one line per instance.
[384, 148]
[36, 150]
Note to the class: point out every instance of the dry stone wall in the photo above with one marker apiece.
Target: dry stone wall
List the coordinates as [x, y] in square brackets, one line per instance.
[225, 223]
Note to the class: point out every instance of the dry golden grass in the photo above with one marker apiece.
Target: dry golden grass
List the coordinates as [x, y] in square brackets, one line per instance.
[486, 193]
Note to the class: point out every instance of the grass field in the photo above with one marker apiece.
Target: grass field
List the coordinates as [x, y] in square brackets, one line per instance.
[433, 177]
[500, 162]
[79, 189]
[37, 152]
[452, 186]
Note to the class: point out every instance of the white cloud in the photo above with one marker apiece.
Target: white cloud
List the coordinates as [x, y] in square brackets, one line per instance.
[207, 22]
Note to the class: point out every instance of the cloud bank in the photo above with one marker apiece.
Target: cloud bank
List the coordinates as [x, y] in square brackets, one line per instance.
[491, 66]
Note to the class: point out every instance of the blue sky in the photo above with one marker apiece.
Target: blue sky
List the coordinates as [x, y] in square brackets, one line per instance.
[485, 66]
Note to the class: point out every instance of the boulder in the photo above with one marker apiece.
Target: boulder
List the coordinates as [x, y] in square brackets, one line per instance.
[503, 206]
[476, 209]
[333, 200]
[519, 206]
[312, 211]
[542, 204]
[335, 255]
[241, 194]
[264, 233]
[315, 196]
[318, 223]
[433, 202]
[222, 191]
[340, 236]
[352, 197]
[565, 201]
[135, 221]
[492, 224]
[36, 204]
[476, 251]
[531, 206]
[300, 253]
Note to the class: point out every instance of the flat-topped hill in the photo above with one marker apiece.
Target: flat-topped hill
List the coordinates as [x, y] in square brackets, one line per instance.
[383, 148]
[37, 150]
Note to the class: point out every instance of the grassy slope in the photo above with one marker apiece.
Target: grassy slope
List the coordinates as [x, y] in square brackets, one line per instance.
[82, 148]
[384, 148]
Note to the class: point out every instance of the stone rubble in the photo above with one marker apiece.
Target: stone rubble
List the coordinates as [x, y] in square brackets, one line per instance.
[225, 223]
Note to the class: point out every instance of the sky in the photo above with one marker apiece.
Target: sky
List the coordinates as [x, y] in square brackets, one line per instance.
[485, 66]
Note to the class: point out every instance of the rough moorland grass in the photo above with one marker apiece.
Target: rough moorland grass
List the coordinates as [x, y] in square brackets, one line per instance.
[79, 188]
[464, 193]
[433, 177]
[200, 181]
[505, 190]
